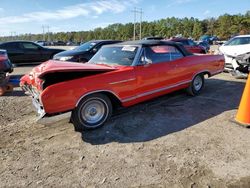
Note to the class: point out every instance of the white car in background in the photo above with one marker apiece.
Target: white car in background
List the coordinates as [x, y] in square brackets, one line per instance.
[41, 42]
[234, 47]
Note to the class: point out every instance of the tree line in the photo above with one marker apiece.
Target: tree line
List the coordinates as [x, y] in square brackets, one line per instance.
[223, 27]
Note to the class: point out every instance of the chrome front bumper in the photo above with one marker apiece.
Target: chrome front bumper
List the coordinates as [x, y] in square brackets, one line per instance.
[49, 120]
[37, 103]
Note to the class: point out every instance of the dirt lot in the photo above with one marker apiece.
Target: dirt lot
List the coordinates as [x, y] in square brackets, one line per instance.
[173, 141]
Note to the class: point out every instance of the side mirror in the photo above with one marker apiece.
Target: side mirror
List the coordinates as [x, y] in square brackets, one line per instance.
[145, 61]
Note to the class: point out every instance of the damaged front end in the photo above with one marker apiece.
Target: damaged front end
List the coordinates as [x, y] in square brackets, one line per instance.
[29, 89]
[51, 73]
[42, 117]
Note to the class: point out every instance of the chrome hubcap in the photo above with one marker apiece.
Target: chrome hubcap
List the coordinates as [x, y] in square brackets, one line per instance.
[197, 83]
[93, 111]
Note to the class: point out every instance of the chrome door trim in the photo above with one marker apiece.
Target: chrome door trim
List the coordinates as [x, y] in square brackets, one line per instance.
[156, 91]
[122, 81]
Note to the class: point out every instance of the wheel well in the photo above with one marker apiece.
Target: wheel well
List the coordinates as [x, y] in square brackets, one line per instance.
[206, 73]
[114, 99]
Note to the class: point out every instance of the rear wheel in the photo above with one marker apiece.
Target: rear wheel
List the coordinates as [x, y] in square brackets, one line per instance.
[196, 85]
[92, 112]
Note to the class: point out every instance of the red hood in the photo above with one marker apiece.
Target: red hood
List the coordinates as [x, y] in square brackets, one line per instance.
[59, 66]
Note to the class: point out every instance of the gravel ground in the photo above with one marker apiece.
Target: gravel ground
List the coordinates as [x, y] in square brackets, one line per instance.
[172, 141]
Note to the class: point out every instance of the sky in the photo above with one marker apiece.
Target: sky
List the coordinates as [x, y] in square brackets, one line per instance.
[31, 16]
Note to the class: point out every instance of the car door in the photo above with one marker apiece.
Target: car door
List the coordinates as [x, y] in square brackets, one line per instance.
[158, 73]
[32, 52]
[15, 51]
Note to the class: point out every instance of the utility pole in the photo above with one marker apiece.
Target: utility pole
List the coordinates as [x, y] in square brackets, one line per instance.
[135, 11]
[48, 34]
[13, 35]
[140, 22]
[134, 22]
[43, 32]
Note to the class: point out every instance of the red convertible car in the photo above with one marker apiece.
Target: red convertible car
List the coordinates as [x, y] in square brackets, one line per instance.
[120, 74]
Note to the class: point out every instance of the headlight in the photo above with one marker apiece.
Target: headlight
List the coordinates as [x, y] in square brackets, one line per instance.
[65, 58]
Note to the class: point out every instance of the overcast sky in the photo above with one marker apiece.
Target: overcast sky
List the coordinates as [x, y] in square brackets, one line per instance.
[28, 16]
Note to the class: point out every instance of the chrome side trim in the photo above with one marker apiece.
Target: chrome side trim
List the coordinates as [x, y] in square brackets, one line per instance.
[96, 91]
[156, 91]
[122, 81]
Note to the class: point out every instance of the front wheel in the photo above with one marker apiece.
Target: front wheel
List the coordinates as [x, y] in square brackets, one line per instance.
[196, 85]
[92, 112]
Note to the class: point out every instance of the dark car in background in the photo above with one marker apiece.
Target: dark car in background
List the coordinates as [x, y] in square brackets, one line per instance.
[5, 64]
[209, 39]
[190, 45]
[153, 38]
[59, 43]
[42, 42]
[205, 45]
[84, 52]
[22, 52]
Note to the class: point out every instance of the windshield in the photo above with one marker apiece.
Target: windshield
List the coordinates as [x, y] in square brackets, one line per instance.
[115, 55]
[86, 46]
